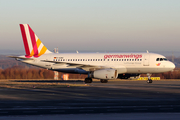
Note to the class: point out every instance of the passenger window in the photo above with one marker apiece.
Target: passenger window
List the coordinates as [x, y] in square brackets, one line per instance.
[124, 59]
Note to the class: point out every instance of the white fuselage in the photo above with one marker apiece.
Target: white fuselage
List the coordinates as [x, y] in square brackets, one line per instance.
[122, 62]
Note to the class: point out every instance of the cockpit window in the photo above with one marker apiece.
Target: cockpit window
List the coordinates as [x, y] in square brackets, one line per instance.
[161, 59]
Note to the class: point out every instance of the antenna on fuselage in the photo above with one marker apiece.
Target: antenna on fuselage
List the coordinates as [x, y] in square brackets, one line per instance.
[56, 50]
[147, 51]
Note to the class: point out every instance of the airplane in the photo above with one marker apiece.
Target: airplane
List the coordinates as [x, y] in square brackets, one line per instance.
[102, 66]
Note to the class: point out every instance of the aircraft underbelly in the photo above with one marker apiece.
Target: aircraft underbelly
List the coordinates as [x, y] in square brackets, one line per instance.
[147, 70]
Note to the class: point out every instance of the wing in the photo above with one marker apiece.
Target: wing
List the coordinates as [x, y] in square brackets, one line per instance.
[86, 67]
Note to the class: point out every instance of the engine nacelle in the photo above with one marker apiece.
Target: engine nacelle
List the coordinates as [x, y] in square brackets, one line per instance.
[128, 76]
[105, 74]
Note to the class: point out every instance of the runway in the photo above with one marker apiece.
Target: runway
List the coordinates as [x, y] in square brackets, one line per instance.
[99, 98]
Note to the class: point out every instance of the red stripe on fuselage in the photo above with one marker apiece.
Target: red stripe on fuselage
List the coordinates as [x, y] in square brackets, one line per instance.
[33, 40]
[24, 40]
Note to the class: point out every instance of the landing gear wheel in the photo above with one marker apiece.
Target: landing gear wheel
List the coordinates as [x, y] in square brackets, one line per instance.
[88, 80]
[149, 78]
[104, 81]
[149, 81]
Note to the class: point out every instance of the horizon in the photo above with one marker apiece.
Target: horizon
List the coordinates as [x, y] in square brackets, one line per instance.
[100, 25]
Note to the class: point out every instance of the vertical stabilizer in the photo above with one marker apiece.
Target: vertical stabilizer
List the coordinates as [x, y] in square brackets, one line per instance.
[32, 44]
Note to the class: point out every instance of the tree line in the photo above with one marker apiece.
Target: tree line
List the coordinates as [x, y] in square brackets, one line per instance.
[18, 72]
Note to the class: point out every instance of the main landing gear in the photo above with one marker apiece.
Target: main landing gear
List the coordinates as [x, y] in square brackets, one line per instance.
[88, 80]
[104, 81]
[149, 78]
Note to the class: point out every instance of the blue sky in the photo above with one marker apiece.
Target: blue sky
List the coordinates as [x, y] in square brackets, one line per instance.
[93, 25]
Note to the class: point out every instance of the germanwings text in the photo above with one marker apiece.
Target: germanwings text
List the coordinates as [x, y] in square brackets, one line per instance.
[136, 56]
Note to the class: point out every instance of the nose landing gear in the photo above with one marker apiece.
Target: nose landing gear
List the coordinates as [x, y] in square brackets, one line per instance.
[149, 81]
[149, 78]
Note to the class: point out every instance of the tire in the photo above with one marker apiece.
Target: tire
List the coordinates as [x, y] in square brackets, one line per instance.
[88, 80]
[149, 81]
[104, 81]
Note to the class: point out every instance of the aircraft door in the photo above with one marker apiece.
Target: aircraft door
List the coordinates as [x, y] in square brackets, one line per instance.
[146, 60]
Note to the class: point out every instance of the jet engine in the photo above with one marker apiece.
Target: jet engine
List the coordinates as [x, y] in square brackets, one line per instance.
[105, 74]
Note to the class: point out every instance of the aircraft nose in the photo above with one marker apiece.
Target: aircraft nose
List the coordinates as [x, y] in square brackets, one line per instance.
[172, 65]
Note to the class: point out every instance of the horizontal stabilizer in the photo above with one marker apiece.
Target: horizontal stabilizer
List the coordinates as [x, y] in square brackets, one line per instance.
[20, 58]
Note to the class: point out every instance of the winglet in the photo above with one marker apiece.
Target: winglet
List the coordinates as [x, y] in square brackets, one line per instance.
[32, 44]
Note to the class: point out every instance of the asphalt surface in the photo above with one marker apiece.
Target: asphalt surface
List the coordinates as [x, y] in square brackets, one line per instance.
[112, 97]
